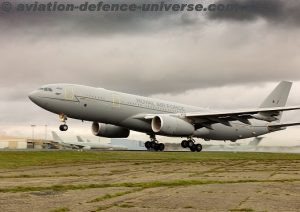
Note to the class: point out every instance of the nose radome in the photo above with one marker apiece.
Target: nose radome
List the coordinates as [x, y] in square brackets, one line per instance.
[32, 96]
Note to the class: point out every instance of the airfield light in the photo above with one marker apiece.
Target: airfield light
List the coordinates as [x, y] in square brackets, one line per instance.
[33, 126]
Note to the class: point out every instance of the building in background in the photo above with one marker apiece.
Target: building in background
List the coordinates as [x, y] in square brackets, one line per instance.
[11, 143]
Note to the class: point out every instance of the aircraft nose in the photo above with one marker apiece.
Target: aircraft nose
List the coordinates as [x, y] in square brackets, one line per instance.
[33, 96]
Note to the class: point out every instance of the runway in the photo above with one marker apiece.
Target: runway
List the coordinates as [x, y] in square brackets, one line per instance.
[149, 181]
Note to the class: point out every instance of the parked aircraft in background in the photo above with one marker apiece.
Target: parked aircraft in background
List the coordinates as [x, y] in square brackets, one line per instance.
[114, 114]
[110, 145]
[79, 139]
[78, 145]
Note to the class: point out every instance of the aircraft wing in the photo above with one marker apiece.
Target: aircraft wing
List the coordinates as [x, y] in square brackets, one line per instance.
[205, 119]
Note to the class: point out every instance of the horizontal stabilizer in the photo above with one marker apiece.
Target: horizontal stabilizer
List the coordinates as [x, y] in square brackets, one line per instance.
[279, 125]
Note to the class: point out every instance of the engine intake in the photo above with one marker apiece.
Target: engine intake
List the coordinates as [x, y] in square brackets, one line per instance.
[172, 126]
[109, 131]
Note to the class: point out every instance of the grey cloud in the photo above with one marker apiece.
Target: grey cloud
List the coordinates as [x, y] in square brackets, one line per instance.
[274, 11]
[165, 58]
[39, 24]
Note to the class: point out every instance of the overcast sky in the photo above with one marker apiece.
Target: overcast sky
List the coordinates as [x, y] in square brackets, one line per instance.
[217, 60]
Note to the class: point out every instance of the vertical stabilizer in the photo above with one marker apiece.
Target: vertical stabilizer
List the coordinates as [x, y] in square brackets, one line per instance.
[278, 97]
[56, 138]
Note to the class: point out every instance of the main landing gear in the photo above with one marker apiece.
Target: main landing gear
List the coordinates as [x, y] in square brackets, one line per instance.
[190, 143]
[63, 118]
[154, 145]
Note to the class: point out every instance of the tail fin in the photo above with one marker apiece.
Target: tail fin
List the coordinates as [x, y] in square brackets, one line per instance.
[56, 138]
[278, 97]
[79, 139]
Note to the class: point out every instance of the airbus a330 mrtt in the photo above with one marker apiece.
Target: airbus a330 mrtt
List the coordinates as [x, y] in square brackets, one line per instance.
[114, 114]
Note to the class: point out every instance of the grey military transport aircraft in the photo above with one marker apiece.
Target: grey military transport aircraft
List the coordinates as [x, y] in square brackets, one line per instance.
[114, 114]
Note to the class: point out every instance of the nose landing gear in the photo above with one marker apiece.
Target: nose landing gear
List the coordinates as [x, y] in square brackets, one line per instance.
[63, 127]
[190, 143]
[63, 118]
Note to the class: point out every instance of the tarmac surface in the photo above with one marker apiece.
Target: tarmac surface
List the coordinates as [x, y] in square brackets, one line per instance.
[159, 185]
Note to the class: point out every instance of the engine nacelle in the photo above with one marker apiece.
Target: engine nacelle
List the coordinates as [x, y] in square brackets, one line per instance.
[172, 126]
[109, 131]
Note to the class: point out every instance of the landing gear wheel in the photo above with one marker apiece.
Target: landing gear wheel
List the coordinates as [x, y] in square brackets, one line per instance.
[148, 144]
[63, 127]
[63, 119]
[152, 144]
[198, 147]
[161, 147]
[190, 143]
[184, 144]
[156, 146]
[193, 148]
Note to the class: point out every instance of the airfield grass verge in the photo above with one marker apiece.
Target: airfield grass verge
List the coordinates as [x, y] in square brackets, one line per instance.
[16, 159]
[137, 185]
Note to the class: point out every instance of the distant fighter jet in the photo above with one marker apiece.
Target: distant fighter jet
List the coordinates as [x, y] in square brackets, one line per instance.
[114, 114]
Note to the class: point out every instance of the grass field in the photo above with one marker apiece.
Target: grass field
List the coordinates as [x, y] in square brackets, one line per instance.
[15, 159]
[148, 181]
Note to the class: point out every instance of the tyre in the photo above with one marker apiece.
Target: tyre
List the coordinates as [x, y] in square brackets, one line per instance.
[198, 147]
[190, 143]
[148, 144]
[193, 148]
[156, 146]
[184, 144]
[65, 127]
[152, 144]
[161, 147]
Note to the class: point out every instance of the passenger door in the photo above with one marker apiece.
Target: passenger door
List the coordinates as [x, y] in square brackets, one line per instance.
[69, 93]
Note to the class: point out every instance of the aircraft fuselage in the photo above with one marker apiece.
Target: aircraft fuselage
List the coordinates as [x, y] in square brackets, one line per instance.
[128, 111]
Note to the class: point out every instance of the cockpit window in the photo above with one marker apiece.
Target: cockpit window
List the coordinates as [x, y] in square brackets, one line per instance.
[46, 89]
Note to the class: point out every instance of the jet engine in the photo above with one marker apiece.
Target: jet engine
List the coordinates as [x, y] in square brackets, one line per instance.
[172, 126]
[109, 131]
